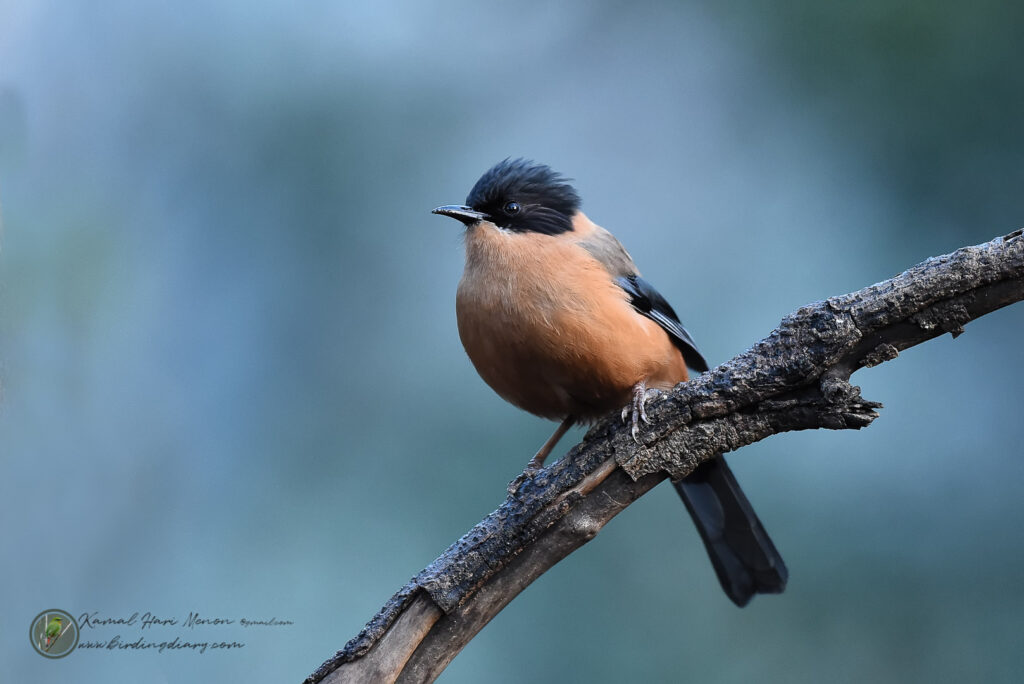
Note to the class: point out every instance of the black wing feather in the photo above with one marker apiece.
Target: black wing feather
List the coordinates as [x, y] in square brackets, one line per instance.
[650, 303]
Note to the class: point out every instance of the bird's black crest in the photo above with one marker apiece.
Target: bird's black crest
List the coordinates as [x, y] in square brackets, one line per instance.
[522, 195]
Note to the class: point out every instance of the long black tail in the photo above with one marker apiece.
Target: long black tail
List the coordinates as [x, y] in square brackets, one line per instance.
[744, 557]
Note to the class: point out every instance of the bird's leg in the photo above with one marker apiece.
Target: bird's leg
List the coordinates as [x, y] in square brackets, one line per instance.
[538, 460]
[637, 409]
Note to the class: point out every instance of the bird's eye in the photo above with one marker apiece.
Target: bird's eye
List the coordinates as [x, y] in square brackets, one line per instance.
[511, 208]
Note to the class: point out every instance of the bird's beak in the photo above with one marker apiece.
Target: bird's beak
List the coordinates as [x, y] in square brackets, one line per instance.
[467, 215]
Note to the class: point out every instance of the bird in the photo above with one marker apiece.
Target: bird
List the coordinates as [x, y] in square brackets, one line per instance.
[556, 318]
[53, 629]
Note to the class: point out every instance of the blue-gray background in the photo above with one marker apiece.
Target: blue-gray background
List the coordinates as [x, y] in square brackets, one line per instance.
[232, 381]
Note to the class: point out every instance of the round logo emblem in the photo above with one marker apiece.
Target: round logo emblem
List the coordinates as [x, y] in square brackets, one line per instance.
[54, 633]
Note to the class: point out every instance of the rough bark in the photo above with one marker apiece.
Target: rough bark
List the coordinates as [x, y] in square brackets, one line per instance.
[794, 379]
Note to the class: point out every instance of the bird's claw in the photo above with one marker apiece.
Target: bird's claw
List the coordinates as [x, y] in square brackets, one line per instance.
[636, 410]
[528, 474]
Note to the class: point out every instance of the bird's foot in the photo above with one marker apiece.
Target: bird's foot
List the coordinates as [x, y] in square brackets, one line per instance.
[529, 473]
[636, 410]
[537, 462]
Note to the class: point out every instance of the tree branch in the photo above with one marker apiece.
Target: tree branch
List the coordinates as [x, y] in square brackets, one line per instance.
[794, 379]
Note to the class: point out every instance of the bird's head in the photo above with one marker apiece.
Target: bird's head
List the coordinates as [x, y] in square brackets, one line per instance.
[521, 196]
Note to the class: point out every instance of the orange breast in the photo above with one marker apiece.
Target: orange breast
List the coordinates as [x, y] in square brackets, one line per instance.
[550, 332]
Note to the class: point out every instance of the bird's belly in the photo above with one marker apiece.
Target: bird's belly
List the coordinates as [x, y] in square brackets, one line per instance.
[561, 352]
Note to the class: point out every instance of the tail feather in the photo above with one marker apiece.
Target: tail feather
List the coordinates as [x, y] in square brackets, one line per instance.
[744, 557]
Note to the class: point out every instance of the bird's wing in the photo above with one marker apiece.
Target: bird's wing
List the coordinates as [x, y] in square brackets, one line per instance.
[650, 303]
[603, 246]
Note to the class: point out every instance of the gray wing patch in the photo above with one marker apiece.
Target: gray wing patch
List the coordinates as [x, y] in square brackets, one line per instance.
[603, 246]
[647, 301]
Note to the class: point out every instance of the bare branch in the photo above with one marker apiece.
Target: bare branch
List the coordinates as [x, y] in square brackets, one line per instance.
[794, 379]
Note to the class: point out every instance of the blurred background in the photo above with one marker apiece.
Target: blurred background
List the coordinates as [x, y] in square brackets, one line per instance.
[232, 381]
